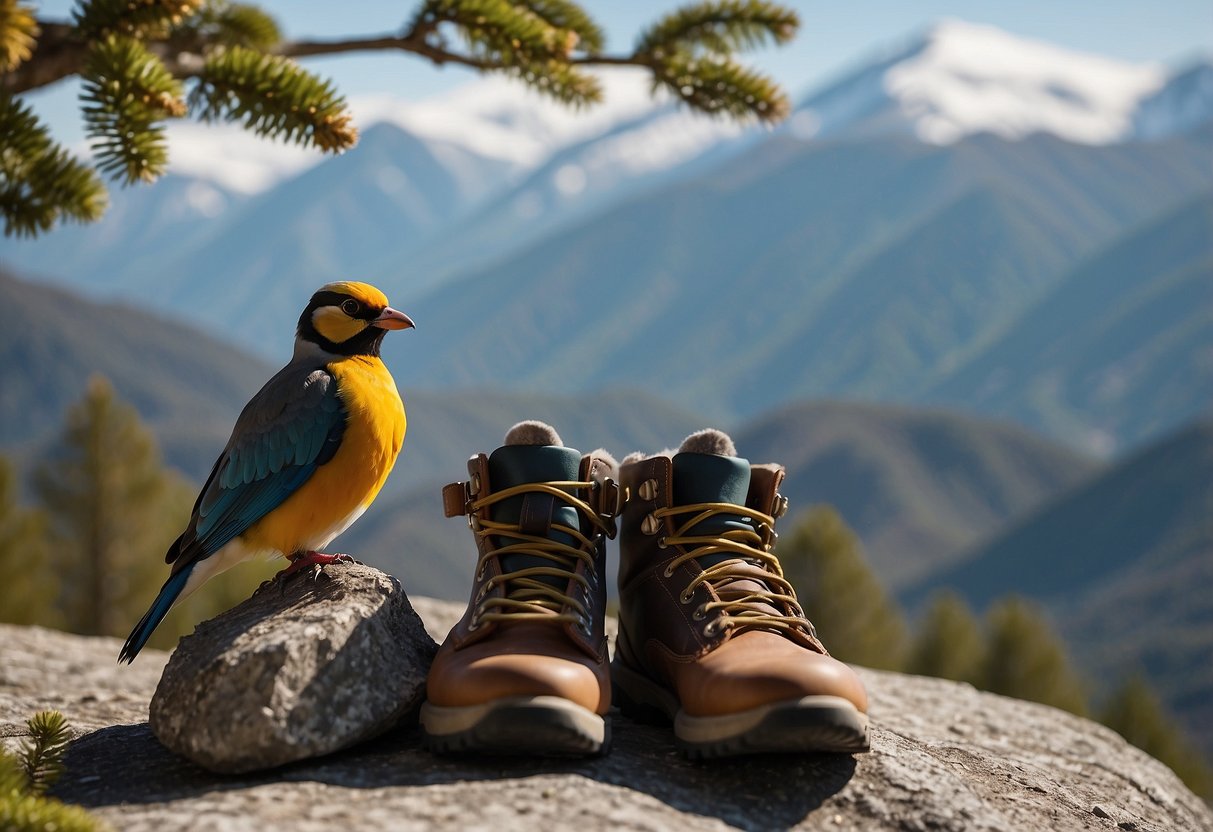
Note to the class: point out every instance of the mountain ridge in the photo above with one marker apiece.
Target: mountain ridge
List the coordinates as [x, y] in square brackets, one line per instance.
[1118, 560]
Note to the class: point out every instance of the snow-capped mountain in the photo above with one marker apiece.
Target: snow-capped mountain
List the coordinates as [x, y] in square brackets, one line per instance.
[492, 118]
[1183, 105]
[444, 185]
[962, 78]
[577, 180]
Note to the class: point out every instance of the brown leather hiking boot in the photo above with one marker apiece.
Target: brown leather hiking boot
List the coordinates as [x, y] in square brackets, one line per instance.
[525, 670]
[710, 634]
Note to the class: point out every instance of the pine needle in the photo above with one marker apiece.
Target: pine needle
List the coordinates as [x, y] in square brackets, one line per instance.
[42, 754]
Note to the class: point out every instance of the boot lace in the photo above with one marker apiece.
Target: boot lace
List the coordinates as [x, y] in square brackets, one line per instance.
[526, 596]
[752, 547]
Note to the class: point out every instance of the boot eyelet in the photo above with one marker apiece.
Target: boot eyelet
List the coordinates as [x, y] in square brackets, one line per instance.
[699, 613]
[668, 571]
[710, 629]
[650, 524]
[661, 544]
[647, 490]
[686, 597]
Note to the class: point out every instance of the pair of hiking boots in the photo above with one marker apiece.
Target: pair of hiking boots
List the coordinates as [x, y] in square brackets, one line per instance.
[710, 637]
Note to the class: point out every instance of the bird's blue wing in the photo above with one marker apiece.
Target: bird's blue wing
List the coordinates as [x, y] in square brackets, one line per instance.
[290, 428]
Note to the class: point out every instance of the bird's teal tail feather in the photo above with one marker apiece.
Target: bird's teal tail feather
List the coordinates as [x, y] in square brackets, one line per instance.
[160, 607]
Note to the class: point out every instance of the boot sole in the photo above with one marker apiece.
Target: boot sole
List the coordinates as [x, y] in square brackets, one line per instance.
[529, 725]
[805, 725]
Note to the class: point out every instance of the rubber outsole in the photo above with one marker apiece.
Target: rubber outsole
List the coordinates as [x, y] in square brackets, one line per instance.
[811, 724]
[546, 726]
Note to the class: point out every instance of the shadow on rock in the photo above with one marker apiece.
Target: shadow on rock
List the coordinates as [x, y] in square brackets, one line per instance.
[125, 764]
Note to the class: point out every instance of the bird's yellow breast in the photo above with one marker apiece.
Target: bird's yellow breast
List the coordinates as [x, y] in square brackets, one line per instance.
[343, 487]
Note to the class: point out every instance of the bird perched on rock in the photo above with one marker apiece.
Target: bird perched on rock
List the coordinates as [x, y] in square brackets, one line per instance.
[307, 456]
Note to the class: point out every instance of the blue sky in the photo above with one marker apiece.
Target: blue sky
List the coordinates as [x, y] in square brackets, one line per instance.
[833, 37]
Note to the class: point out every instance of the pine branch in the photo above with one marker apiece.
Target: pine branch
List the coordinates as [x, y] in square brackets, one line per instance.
[12, 776]
[567, 15]
[228, 24]
[563, 82]
[718, 86]
[498, 32]
[42, 754]
[720, 26]
[18, 34]
[27, 813]
[127, 91]
[136, 18]
[40, 182]
[273, 96]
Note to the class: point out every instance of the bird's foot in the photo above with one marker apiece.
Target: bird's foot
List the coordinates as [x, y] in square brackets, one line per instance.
[315, 561]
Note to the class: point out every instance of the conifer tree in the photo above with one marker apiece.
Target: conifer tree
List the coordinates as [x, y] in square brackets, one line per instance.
[949, 643]
[146, 61]
[1025, 659]
[1135, 713]
[855, 617]
[30, 585]
[114, 510]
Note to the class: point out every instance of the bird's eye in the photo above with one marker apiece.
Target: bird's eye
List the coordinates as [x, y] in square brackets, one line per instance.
[350, 307]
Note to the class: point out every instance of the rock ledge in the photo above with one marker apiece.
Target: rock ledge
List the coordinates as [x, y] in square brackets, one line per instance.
[944, 757]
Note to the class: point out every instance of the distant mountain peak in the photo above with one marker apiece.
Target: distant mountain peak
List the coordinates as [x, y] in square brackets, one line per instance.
[1184, 105]
[961, 78]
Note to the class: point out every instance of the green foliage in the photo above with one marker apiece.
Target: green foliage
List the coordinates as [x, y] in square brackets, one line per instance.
[115, 510]
[27, 813]
[133, 54]
[562, 82]
[30, 585]
[234, 24]
[42, 754]
[112, 511]
[136, 18]
[718, 86]
[1025, 658]
[1136, 713]
[949, 643]
[691, 49]
[855, 617]
[127, 92]
[500, 31]
[569, 16]
[722, 26]
[40, 182]
[18, 28]
[25, 778]
[532, 41]
[272, 96]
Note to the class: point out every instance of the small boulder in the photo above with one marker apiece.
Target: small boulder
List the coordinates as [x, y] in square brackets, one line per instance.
[303, 668]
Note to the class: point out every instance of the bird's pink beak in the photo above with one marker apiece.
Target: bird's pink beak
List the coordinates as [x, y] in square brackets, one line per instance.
[389, 318]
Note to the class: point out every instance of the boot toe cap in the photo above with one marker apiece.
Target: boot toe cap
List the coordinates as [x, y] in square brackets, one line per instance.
[759, 669]
[483, 673]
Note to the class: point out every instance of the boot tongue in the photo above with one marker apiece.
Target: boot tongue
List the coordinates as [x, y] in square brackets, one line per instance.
[702, 474]
[707, 471]
[512, 465]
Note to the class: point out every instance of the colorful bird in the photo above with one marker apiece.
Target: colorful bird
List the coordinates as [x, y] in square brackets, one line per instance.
[307, 456]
